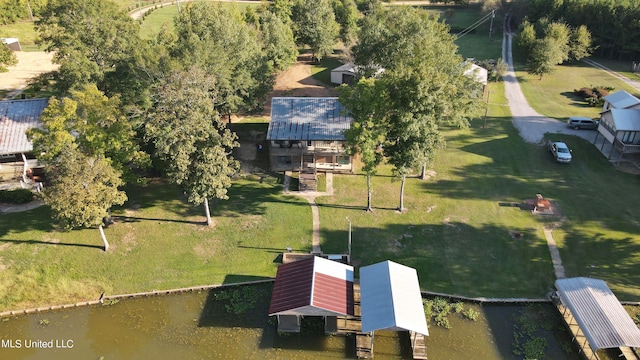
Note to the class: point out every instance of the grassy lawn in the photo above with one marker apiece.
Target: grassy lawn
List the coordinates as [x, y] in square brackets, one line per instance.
[623, 67]
[553, 95]
[158, 242]
[163, 16]
[322, 70]
[458, 230]
[24, 31]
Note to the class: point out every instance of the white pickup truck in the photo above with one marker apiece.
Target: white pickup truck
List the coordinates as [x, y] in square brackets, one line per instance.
[560, 151]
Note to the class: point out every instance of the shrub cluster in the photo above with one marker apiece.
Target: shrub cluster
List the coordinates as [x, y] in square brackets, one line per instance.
[16, 196]
[594, 96]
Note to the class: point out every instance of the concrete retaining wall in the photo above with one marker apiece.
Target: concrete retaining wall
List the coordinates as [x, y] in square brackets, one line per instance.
[127, 296]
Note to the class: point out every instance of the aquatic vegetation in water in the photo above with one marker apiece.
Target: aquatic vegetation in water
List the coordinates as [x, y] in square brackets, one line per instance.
[529, 328]
[438, 308]
[240, 299]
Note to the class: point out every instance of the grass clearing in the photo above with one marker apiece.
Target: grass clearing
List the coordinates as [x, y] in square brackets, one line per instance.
[163, 16]
[158, 242]
[24, 31]
[553, 95]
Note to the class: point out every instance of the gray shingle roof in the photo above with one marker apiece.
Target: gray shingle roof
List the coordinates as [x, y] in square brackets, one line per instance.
[16, 116]
[603, 320]
[307, 118]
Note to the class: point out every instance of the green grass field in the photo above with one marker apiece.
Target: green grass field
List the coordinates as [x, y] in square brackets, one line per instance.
[458, 231]
[553, 95]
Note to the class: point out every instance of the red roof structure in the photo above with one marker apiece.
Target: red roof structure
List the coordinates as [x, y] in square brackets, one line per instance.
[313, 287]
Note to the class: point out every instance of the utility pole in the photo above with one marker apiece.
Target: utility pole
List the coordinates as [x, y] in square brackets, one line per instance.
[493, 14]
[349, 244]
[486, 109]
[30, 12]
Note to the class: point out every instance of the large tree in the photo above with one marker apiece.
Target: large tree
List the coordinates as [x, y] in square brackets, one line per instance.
[347, 15]
[7, 58]
[83, 189]
[315, 25]
[190, 137]
[424, 82]
[579, 43]
[92, 122]
[366, 102]
[217, 39]
[279, 44]
[89, 39]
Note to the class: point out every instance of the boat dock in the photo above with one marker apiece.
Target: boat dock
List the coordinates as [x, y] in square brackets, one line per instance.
[418, 345]
[353, 325]
[576, 332]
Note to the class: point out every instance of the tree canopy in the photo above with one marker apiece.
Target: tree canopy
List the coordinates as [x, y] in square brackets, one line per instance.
[315, 25]
[614, 25]
[217, 39]
[83, 189]
[190, 138]
[423, 81]
[549, 43]
[7, 58]
[92, 122]
[366, 102]
[90, 39]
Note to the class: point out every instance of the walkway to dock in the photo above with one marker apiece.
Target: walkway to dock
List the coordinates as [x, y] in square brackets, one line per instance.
[311, 196]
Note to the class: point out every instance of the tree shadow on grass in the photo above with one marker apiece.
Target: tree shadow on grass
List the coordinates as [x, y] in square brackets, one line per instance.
[612, 259]
[130, 219]
[39, 242]
[454, 257]
[577, 101]
[38, 219]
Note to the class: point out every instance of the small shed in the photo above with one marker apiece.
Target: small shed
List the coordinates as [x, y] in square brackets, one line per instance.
[477, 73]
[343, 74]
[16, 117]
[12, 43]
[601, 319]
[311, 287]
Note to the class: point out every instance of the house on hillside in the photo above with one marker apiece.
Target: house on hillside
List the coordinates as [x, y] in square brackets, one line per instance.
[619, 125]
[307, 134]
[16, 117]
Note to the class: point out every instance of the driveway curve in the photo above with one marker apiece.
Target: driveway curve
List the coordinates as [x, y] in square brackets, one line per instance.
[531, 125]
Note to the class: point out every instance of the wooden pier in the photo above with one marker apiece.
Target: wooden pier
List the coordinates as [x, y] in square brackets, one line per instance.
[576, 332]
[418, 345]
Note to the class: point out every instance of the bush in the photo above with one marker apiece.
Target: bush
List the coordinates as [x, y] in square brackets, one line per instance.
[594, 96]
[16, 196]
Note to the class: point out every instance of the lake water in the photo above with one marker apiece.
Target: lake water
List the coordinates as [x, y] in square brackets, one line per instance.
[197, 326]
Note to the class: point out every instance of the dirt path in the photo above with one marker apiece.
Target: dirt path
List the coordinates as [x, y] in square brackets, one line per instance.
[298, 80]
[30, 64]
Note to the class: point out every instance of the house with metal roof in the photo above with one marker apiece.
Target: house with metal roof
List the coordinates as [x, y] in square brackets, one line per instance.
[307, 134]
[620, 100]
[311, 287]
[16, 117]
[595, 316]
[619, 125]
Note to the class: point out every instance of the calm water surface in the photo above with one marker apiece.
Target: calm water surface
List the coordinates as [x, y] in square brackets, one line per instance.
[196, 326]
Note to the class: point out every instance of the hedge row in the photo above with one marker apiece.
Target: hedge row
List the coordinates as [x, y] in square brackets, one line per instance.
[16, 196]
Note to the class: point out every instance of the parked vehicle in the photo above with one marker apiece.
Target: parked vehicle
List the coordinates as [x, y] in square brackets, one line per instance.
[580, 122]
[560, 151]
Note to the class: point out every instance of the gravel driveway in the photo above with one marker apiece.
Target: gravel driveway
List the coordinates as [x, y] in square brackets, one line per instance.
[531, 125]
